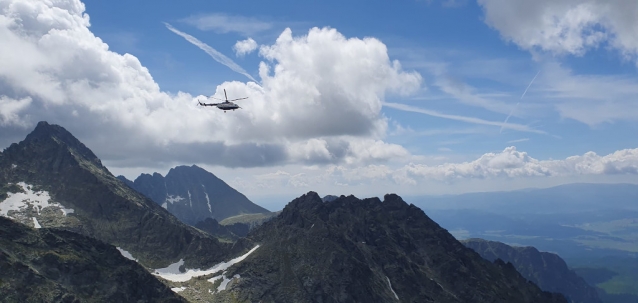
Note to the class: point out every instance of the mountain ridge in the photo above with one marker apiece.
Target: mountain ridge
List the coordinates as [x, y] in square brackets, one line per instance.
[547, 270]
[352, 250]
[54, 162]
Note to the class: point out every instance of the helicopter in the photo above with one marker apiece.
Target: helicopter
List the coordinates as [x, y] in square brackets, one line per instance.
[226, 105]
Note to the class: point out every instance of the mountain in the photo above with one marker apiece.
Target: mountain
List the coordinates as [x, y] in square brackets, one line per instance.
[48, 265]
[352, 250]
[546, 270]
[193, 194]
[51, 179]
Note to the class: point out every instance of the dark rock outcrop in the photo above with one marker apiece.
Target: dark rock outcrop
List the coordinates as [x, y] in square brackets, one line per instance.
[352, 250]
[546, 270]
[49, 265]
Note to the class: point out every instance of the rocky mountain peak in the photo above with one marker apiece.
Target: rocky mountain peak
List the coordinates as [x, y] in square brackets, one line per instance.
[383, 251]
[52, 142]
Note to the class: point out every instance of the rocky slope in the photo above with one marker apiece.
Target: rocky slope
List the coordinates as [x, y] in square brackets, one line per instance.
[547, 270]
[193, 194]
[51, 179]
[351, 250]
[48, 265]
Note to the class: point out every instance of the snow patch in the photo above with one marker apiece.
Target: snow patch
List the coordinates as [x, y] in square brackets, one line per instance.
[13, 166]
[172, 199]
[225, 280]
[207, 200]
[165, 205]
[178, 289]
[36, 223]
[20, 201]
[189, 198]
[172, 273]
[313, 225]
[390, 284]
[126, 254]
[67, 211]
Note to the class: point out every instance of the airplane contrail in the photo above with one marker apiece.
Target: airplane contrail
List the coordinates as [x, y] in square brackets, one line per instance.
[515, 107]
[219, 57]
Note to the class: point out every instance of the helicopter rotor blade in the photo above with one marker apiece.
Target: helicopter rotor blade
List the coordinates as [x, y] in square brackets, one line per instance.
[225, 94]
[237, 99]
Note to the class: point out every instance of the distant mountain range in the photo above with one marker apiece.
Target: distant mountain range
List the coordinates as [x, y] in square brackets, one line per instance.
[546, 270]
[339, 249]
[193, 194]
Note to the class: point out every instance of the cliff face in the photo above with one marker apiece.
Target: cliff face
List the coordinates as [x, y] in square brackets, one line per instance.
[351, 250]
[48, 265]
[546, 270]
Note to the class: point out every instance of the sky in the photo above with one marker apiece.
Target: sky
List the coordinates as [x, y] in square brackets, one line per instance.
[413, 97]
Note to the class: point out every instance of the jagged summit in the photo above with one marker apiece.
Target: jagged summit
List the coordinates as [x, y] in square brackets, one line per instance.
[368, 250]
[51, 134]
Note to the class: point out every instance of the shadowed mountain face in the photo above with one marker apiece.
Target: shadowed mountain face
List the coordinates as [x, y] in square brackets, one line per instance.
[53, 167]
[48, 265]
[193, 194]
[547, 270]
[351, 250]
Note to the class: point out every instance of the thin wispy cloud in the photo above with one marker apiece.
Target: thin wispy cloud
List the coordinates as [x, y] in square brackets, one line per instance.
[519, 101]
[518, 140]
[466, 119]
[219, 57]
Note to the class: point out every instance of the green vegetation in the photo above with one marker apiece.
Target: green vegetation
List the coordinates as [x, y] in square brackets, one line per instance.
[251, 219]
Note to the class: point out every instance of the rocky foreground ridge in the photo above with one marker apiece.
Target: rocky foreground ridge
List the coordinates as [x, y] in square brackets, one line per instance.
[49, 265]
[352, 250]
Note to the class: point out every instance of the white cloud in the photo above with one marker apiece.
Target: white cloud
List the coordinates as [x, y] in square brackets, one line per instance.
[566, 26]
[319, 87]
[245, 47]
[10, 109]
[224, 23]
[515, 164]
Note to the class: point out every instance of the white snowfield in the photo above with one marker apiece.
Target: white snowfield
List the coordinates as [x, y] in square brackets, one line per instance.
[126, 254]
[37, 199]
[178, 289]
[36, 224]
[172, 273]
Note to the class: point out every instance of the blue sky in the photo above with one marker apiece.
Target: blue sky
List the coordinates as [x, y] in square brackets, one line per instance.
[464, 66]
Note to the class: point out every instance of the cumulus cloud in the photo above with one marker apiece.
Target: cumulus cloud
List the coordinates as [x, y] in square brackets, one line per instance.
[224, 23]
[515, 164]
[245, 47]
[10, 109]
[566, 26]
[320, 92]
